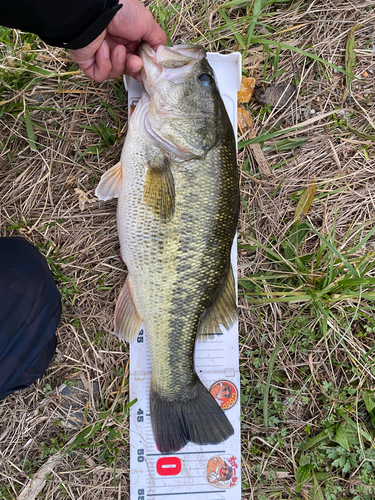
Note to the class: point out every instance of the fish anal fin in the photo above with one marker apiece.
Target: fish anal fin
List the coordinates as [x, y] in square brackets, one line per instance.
[127, 320]
[222, 312]
[158, 191]
[110, 183]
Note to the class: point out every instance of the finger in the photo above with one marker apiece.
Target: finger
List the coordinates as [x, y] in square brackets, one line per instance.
[102, 65]
[133, 66]
[135, 23]
[154, 35]
[118, 56]
[97, 64]
[130, 45]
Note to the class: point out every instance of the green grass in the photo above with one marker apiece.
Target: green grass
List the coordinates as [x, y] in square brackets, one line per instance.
[321, 277]
[332, 282]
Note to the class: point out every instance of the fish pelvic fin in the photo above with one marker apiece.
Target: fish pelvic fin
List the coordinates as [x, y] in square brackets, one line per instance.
[223, 311]
[196, 418]
[127, 320]
[110, 183]
[158, 191]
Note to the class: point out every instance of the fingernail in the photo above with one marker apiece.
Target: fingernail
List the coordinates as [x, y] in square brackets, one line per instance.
[121, 53]
[105, 49]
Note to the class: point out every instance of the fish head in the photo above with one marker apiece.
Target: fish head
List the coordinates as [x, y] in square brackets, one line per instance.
[185, 114]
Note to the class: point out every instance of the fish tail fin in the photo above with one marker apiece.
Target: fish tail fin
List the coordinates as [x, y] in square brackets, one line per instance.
[197, 418]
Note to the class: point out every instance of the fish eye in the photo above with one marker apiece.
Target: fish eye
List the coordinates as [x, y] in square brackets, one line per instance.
[205, 79]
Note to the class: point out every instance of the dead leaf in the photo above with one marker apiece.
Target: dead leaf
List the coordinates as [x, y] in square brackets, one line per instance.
[335, 156]
[305, 202]
[245, 121]
[275, 95]
[311, 365]
[278, 473]
[246, 126]
[82, 198]
[254, 60]
[349, 60]
[246, 89]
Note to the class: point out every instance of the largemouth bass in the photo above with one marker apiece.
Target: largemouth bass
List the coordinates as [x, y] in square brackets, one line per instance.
[178, 201]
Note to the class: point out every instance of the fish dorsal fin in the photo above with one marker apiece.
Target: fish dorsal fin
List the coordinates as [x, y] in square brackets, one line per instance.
[110, 183]
[158, 191]
[222, 312]
[127, 320]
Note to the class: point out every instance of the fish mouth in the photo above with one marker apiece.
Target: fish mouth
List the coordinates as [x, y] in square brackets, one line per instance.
[169, 63]
[172, 57]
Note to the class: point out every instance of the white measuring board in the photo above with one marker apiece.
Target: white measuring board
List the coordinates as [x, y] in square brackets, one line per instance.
[202, 472]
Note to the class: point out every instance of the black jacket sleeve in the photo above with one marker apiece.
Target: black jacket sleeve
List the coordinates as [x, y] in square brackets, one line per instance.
[63, 23]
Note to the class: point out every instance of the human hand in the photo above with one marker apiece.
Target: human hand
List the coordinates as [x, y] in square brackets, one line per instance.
[113, 52]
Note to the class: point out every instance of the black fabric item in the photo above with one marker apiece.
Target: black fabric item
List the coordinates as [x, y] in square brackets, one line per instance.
[66, 23]
[30, 311]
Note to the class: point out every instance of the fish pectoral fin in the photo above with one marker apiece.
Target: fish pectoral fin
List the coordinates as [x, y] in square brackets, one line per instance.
[127, 320]
[110, 183]
[158, 191]
[222, 312]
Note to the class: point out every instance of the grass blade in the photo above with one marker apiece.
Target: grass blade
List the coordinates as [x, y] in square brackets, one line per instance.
[349, 61]
[319, 438]
[271, 135]
[354, 425]
[362, 242]
[256, 13]
[264, 41]
[30, 131]
[40, 71]
[233, 29]
[304, 203]
[335, 251]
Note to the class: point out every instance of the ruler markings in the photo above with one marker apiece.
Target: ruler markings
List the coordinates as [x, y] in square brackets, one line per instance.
[186, 493]
[184, 453]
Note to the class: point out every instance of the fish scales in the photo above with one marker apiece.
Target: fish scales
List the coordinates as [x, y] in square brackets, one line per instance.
[178, 254]
[176, 266]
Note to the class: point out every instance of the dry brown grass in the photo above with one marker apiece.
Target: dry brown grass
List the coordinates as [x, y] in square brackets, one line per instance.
[39, 196]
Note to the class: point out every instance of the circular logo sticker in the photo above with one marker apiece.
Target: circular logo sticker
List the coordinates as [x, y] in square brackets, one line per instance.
[222, 471]
[225, 393]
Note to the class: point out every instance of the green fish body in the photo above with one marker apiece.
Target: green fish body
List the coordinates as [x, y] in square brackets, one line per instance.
[178, 198]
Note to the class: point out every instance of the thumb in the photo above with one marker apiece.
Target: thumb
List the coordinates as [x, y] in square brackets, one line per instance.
[96, 65]
[154, 35]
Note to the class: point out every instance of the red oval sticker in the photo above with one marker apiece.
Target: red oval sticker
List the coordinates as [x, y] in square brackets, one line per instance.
[168, 466]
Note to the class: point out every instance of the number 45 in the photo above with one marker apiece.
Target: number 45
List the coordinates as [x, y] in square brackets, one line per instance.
[140, 415]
